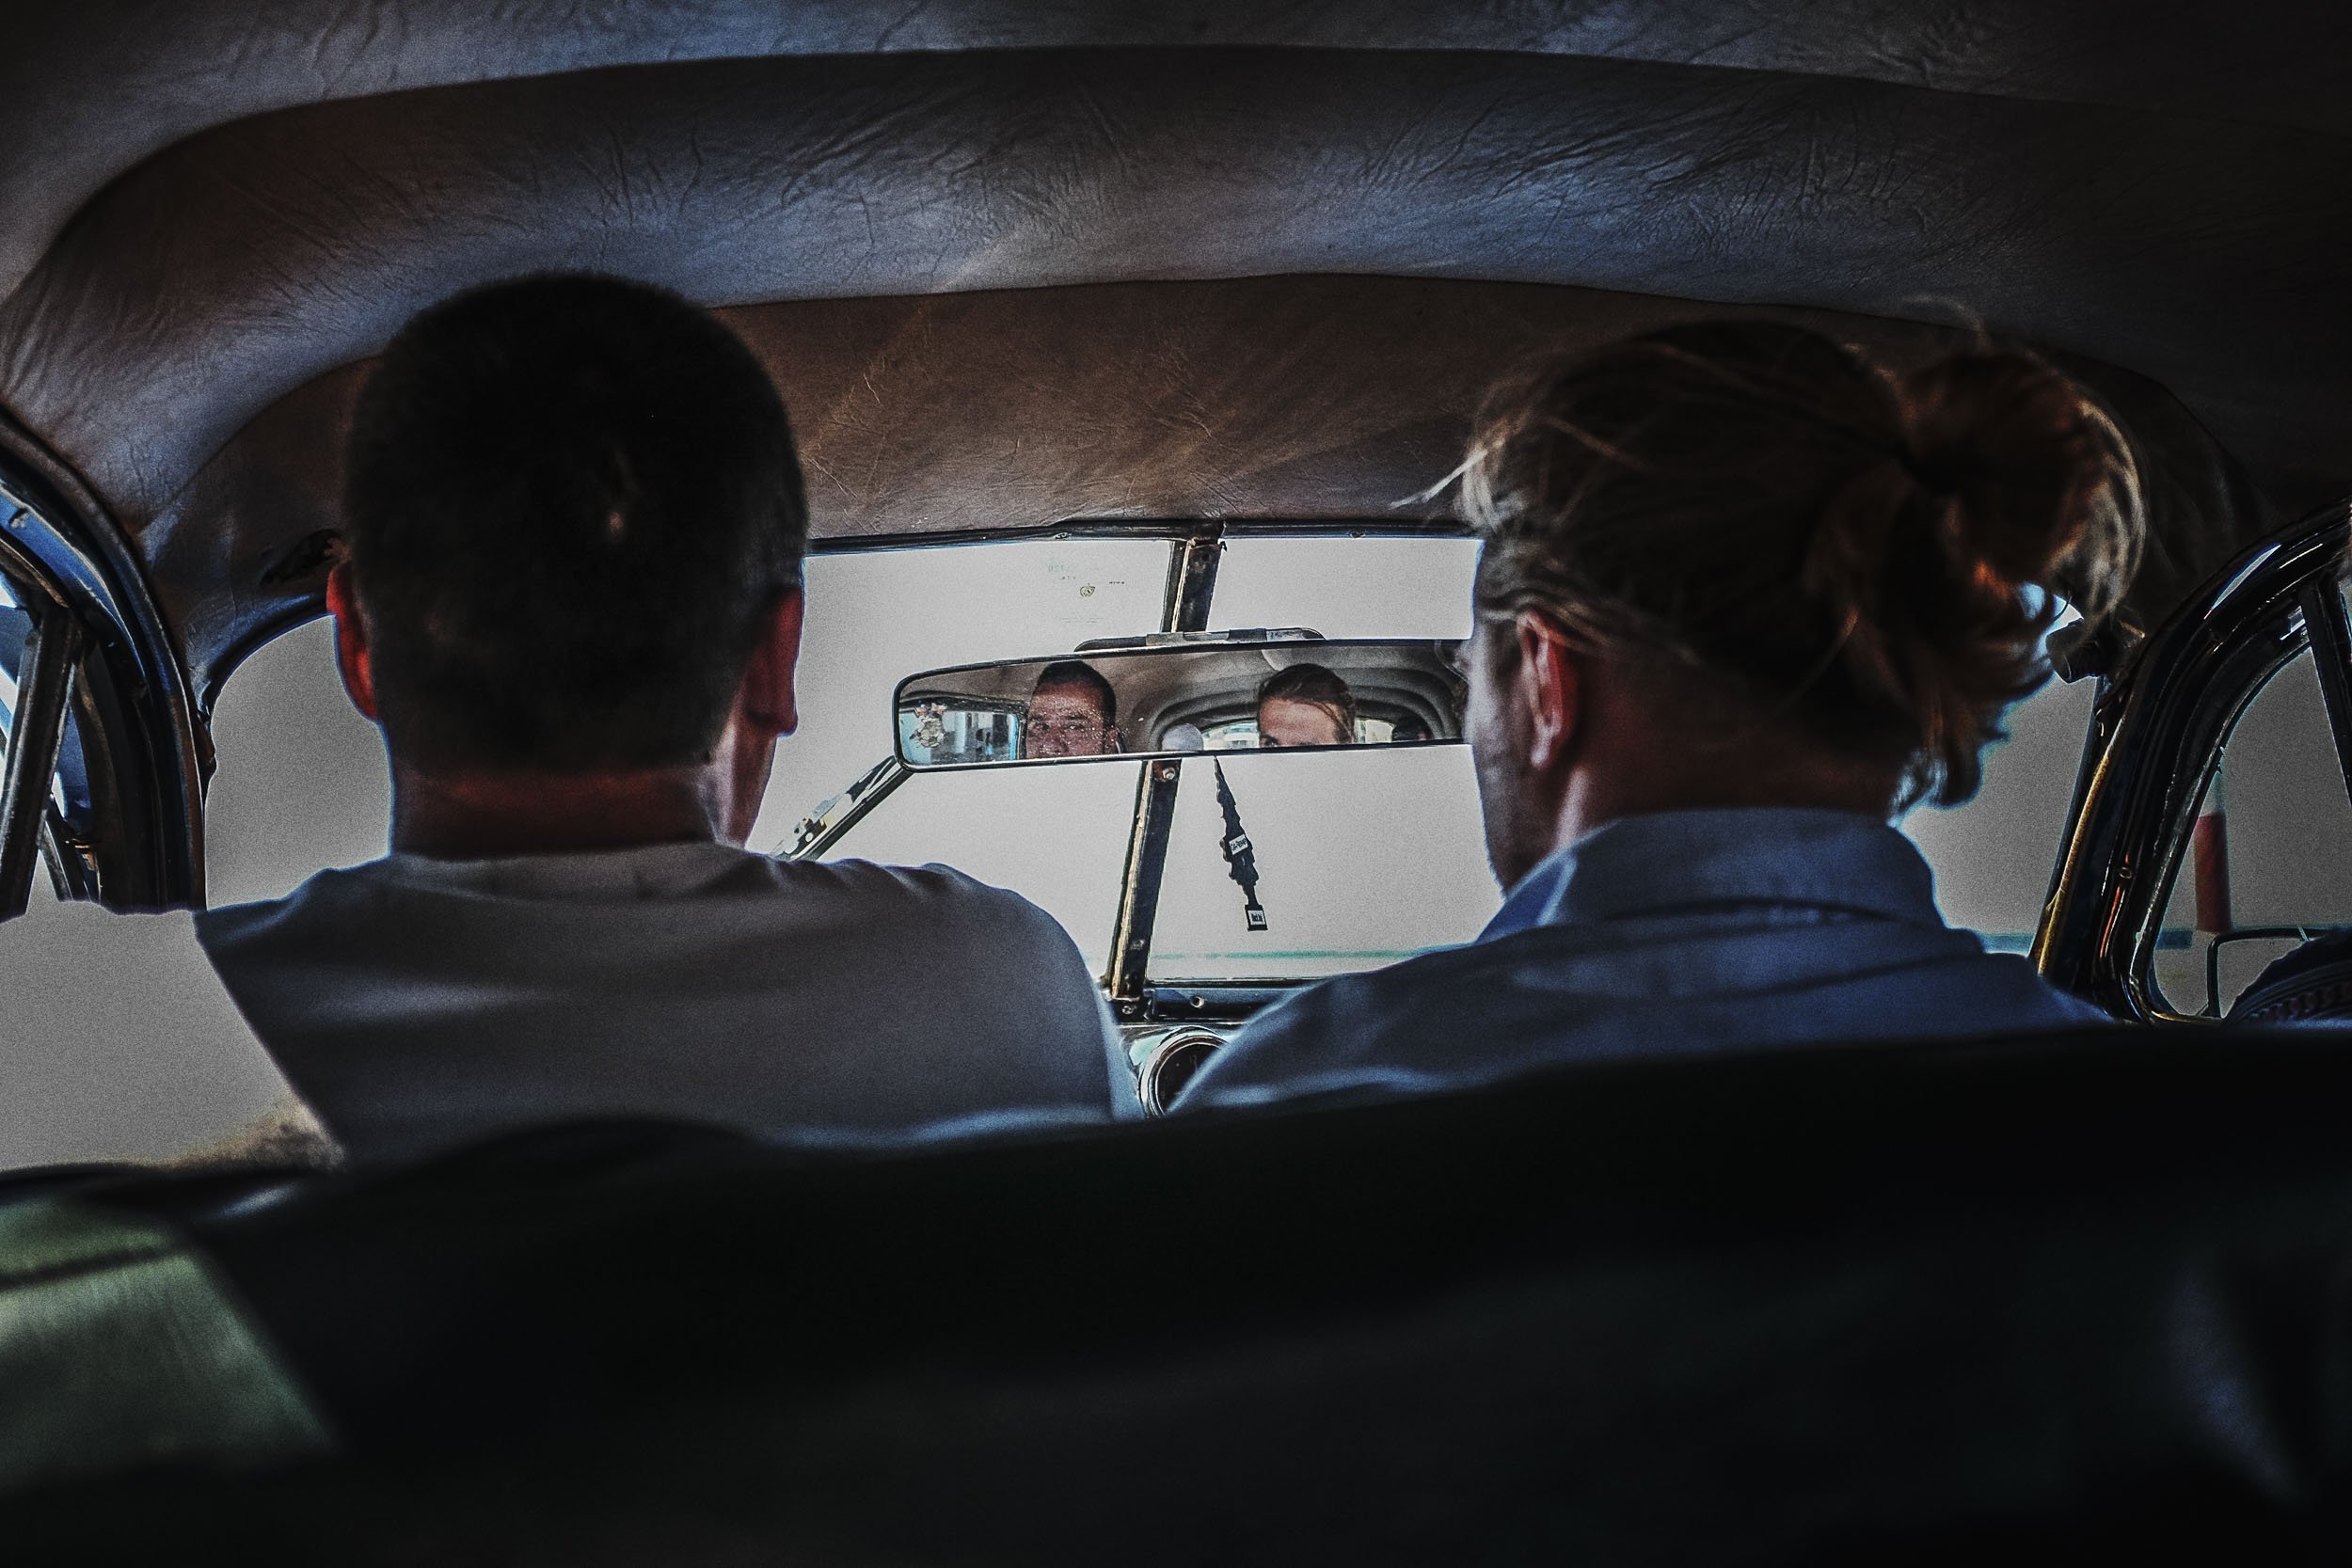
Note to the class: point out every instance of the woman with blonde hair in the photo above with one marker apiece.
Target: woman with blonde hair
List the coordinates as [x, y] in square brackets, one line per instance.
[1745, 594]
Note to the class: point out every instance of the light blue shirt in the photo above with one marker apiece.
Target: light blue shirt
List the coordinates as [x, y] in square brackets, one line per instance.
[1669, 934]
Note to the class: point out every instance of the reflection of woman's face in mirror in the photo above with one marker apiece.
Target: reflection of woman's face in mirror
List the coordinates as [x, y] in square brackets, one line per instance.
[1286, 721]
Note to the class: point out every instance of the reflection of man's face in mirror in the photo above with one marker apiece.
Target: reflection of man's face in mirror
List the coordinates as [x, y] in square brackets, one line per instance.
[1070, 715]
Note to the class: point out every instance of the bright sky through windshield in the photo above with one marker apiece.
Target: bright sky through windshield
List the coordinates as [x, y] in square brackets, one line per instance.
[874, 618]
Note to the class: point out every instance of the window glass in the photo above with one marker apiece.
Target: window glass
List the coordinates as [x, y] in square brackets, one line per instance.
[16, 631]
[299, 783]
[1384, 849]
[877, 617]
[2270, 859]
[1057, 835]
[1992, 856]
[1347, 587]
[1362, 858]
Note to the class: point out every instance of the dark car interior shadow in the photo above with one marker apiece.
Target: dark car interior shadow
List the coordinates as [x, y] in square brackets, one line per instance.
[1937, 1299]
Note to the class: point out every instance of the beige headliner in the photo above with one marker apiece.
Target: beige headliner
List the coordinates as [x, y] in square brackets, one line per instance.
[214, 211]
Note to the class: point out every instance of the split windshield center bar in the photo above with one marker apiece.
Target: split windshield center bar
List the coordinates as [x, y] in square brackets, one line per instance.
[1191, 584]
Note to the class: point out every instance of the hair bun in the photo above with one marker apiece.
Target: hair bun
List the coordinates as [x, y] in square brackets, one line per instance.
[2041, 482]
[1763, 513]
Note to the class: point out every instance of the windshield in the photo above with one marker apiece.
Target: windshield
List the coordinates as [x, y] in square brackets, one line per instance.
[1365, 859]
[1057, 835]
[1362, 858]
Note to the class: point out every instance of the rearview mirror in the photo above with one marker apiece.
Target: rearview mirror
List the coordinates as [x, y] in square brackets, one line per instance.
[1181, 694]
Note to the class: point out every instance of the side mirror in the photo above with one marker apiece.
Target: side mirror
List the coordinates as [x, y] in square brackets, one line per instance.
[1189, 694]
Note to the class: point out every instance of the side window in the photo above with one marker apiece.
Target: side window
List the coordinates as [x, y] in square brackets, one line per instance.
[16, 631]
[16, 643]
[88, 722]
[2269, 862]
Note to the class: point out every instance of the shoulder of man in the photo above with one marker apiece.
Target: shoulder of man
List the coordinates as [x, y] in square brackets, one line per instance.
[1040, 988]
[929, 891]
[227, 925]
[960, 918]
[2034, 995]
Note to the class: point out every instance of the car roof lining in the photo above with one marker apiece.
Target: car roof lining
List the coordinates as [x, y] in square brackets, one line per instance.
[1252, 399]
[1014, 263]
[89, 90]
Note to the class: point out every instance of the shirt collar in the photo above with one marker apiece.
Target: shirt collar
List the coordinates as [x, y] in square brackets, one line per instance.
[1662, 862]
[643, 871]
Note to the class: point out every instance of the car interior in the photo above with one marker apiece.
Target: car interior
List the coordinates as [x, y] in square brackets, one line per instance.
[1148, 336]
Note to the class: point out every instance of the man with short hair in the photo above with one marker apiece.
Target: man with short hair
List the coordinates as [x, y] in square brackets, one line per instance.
[572, 601]
[1072, 712]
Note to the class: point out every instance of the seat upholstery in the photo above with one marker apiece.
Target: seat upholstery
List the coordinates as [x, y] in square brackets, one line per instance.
[1906, 1300]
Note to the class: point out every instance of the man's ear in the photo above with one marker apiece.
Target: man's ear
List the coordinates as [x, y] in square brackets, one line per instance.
[352, 656]
[1548, 687]
[769, 699]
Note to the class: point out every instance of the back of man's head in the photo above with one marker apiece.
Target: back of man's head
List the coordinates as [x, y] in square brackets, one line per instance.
[570, 504]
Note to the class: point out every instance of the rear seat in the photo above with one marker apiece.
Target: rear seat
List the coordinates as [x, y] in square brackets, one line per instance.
[1939, 1299]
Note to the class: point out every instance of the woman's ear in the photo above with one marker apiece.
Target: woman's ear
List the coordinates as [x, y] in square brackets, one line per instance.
[352, 656]
[1548, 687]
